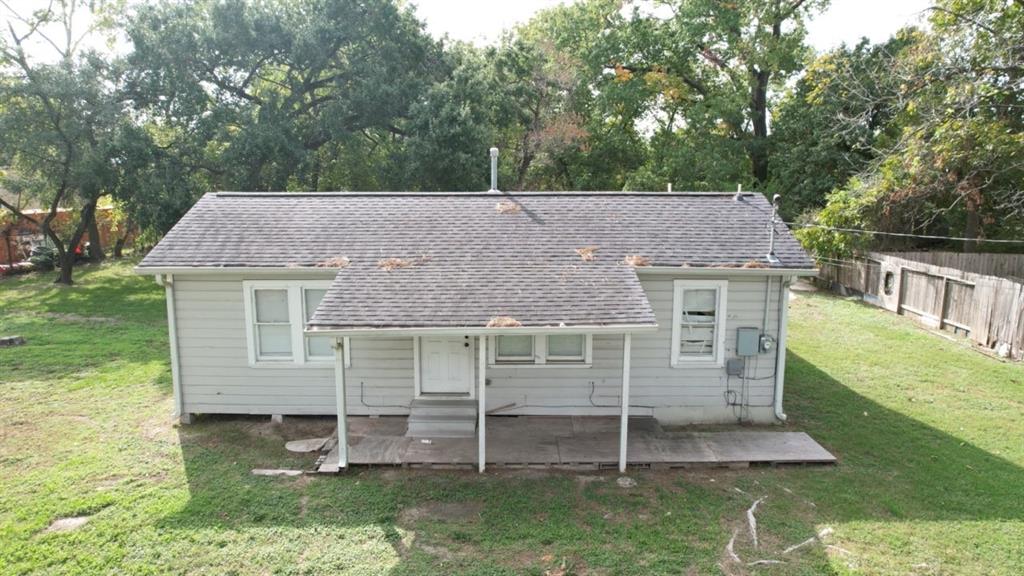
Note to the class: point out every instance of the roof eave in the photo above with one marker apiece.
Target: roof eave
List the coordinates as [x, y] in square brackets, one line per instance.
[723, 271]
[481, 331]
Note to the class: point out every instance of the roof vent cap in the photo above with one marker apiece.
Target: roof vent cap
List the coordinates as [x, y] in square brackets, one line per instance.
[494, 169]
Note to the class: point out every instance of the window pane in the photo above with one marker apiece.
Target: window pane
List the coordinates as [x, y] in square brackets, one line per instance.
[271, 305]
[320, 346]
[699, 300]
[313, 297]
[697, 341]
[515, 346]
[275, 340]
[566, 345]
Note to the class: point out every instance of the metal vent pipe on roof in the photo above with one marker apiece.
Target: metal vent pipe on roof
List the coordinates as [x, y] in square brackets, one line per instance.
[494, 169]
[772, 258]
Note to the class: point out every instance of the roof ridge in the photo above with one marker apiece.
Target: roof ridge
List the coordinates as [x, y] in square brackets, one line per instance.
[399, 194]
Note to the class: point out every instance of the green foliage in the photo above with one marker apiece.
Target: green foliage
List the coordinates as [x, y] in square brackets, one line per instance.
[949, 147]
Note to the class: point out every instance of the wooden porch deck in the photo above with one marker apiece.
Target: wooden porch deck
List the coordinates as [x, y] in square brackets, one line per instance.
[574, 442]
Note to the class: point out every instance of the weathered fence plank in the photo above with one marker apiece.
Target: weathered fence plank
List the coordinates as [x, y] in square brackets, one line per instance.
[987, 308]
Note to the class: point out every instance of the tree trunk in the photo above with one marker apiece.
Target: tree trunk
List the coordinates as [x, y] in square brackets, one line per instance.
[757, 149]
[119, 245]
[971, 191]
[972, 228]
[95, 248]
[66, 257]
[10, 249]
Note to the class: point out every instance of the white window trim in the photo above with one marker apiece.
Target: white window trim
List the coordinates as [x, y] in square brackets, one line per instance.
[540, 354]
[722, 297]
[296, 309]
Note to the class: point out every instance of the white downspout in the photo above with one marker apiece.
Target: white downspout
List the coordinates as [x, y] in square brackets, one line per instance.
[172, 335]
[780, 359]
[340, 392]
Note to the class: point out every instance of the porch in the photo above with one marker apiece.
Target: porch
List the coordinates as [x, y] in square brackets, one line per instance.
[572, 442]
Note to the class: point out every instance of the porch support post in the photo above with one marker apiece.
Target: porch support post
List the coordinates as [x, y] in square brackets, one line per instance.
[481, 397]
[339, 391]
[624, 425]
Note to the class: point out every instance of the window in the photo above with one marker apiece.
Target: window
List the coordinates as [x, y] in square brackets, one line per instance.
[698, 321]
[276, 314]
[273, 325]
[566, 348]
[571, 349]
[317, 347]
[515, 349]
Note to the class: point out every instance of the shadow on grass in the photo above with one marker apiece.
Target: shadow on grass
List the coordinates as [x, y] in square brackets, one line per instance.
[893, 466]
[108, 290]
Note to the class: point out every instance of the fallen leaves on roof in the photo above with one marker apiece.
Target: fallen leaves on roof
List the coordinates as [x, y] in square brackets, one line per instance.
[637, 261]
[508, 207]
[587, 253]
[335, 262]
[390, 264]
[754, 264]
[503, 322]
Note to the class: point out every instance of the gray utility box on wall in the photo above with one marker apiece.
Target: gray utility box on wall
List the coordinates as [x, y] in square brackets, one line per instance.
[748, 341]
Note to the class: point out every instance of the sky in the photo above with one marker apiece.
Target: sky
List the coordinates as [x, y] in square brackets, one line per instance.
[845, 20]
[483, 21]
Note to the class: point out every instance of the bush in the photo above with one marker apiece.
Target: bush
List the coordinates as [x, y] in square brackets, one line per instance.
[43, 257]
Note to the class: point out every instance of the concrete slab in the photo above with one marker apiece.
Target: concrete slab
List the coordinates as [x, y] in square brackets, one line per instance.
[572, 441]
[642, 425]
[589, 448]
[686, 450]
[760, 446]
[522, 450]
[383, 426]
[442, 451]
[378, 450]
[540, 427]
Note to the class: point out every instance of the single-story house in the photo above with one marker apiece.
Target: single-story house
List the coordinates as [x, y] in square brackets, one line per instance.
[447, 307]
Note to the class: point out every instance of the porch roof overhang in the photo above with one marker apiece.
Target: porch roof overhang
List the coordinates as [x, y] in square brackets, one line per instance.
[495, 297]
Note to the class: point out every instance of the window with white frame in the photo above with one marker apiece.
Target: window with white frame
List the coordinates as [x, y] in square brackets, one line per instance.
[698, 321]
[276, 314]
[540, 350]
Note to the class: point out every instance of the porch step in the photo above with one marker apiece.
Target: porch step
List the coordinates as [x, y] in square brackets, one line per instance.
[442, 419]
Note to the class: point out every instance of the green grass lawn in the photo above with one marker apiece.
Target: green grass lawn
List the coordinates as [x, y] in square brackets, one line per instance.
[930, 437]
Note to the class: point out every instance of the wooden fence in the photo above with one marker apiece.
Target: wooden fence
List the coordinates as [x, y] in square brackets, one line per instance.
[987, 308]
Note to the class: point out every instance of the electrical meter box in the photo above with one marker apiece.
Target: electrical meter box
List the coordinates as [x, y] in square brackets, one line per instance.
[748, 341]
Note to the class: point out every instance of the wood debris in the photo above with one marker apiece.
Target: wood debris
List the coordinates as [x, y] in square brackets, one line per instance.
[67, 524]
[730, 547]
[504, 322]
[8, 341]
[335, 262]
[637, 261]
[587, 253]
[752, 521]
[275, 472]
[508, 207]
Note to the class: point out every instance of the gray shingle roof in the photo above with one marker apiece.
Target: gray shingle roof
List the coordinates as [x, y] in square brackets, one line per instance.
[473, 261]
[463, 294]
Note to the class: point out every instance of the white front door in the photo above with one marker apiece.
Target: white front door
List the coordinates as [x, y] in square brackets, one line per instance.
[446, 365]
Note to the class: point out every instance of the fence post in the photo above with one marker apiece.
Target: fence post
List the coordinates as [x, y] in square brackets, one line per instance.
[942, 302]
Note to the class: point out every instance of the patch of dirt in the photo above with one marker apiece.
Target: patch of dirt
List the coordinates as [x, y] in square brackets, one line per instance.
[72, 317]
[443, 511]
[67, 524]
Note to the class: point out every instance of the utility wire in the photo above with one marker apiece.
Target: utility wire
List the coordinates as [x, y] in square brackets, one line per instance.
[902, 234]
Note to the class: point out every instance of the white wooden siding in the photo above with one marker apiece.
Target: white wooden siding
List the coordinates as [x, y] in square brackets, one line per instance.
[216, 377]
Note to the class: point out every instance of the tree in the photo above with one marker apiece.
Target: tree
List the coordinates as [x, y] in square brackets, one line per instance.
[955, 163]
[704, 74]
[275, 95]
[834, 122]
[67, 116]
